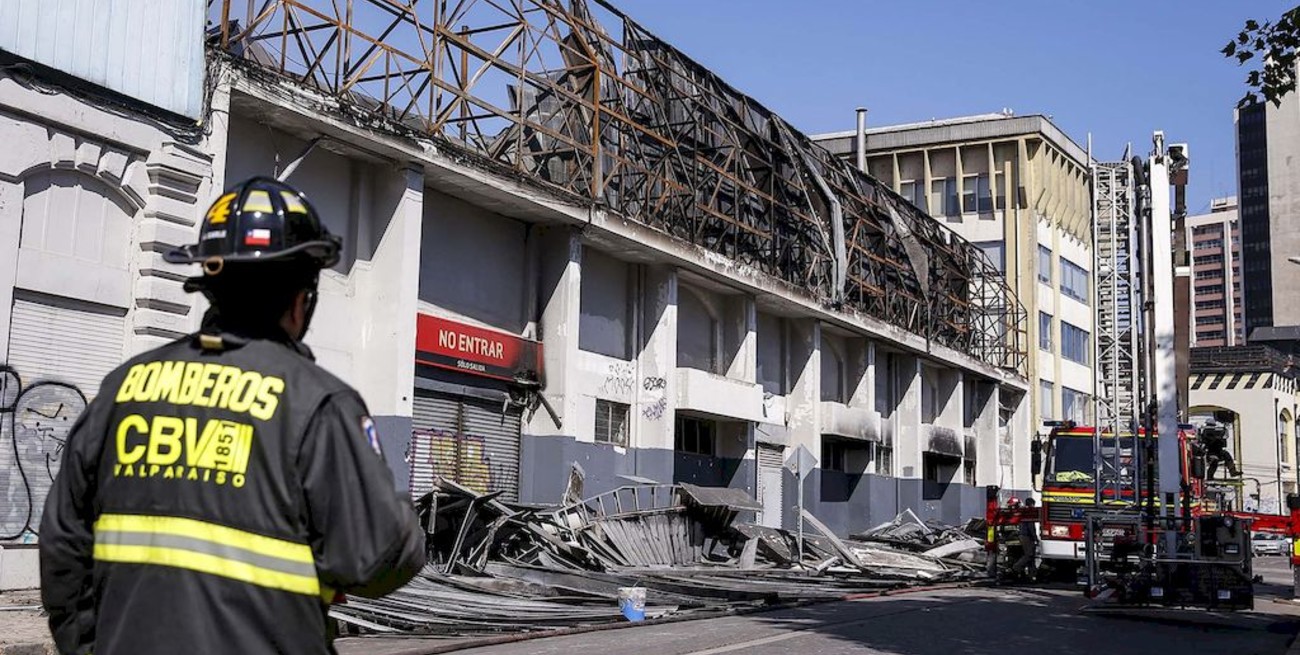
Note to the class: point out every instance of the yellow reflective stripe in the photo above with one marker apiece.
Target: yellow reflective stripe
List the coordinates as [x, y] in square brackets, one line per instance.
[258, 201]
[210, 564]
[194, 529]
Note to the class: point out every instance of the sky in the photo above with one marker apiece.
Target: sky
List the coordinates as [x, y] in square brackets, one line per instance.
[1116, 69]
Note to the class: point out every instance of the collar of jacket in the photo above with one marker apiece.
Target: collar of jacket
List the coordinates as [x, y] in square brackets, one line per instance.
[214, 336]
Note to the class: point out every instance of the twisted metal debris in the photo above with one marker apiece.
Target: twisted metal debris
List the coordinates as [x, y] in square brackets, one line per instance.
[575, 96]
[496, 567]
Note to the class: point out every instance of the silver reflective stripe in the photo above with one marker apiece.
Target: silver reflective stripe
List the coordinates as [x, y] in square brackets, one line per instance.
[223, 551]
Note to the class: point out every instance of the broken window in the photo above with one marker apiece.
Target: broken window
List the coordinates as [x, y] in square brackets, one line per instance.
[611, 422]
[968, 461]
[605, 308]
[939, 471]
[695, 436]
[914, 193]
[944, 197]
[832, 370]
[884, 459]
[833, 456]
[697, 333]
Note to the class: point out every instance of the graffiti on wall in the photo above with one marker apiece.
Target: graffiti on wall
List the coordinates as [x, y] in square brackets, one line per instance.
[464, 458]
[619, 379]
[35, 420]
[656, 411]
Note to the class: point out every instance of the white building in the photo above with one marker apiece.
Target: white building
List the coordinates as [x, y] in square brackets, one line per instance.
[1252, 390]
[1017, 187]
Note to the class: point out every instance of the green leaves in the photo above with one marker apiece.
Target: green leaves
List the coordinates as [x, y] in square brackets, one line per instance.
[1274, 45]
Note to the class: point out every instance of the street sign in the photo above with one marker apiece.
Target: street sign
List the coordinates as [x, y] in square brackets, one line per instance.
[801, 462]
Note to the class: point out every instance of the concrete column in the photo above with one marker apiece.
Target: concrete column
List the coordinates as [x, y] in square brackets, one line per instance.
[951, 392]
[861, 364]
[907, 444]
[393, 223]
[172, 212]
[1022, 428]
[986, 435]
[803, 405]
[545, 452]
[739, 337]
[657, 384]
[804, 401]
[11, 212]
[561, 291]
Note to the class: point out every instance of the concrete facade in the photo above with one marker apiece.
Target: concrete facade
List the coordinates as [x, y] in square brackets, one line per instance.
[702, 364]
[655, 360]
[89, 199]
[1018, 187]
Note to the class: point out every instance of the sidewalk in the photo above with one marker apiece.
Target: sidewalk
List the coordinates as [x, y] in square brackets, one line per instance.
[23, 631]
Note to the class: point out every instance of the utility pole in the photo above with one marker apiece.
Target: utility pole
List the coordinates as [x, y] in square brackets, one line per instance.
[1277, 436]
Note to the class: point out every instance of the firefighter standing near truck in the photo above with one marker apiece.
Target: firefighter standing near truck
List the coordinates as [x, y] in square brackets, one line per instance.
[1028, 545]
[222, 490]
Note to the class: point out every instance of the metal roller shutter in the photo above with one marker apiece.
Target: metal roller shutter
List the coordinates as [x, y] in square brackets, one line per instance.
[467, 440]
[436, 421]
[770, 484]
[62, 353]
[496, 433]
[49, 340]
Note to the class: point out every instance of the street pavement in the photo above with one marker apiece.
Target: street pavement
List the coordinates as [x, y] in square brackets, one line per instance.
[971, 621]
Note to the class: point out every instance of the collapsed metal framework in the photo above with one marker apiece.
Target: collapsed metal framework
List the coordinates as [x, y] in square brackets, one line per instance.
[1115, 265]
[575, 96]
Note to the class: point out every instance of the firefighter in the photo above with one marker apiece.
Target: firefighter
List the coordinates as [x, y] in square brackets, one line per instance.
[223, 489]
[1214, 438]
[1028, 545]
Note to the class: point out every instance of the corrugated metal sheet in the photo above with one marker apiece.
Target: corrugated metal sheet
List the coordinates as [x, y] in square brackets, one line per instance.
[151, 50]
[771, 483]
[51, 340]
[436, 419]
[499, 435]
[467, 440]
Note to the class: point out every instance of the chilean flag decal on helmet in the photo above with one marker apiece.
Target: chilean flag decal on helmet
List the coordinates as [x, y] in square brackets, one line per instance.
[258, 237]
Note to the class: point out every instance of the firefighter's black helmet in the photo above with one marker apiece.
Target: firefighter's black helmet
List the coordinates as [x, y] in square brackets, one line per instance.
[259, 220]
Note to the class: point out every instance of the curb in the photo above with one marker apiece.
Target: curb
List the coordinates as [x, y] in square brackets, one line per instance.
[439, 649]
[27, 649]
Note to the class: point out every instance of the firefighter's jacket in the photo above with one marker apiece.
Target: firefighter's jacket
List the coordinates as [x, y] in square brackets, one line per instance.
[213, 498]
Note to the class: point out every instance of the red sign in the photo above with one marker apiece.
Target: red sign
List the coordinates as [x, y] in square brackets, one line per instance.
[447, 344]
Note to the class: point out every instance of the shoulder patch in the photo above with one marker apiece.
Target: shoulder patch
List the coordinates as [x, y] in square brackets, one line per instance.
[372, 435]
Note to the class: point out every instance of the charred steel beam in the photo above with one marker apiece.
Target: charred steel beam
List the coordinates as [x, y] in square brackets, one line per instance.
[576, 96]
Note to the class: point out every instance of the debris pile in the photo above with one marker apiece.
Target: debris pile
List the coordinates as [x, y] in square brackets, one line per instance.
[497, 567]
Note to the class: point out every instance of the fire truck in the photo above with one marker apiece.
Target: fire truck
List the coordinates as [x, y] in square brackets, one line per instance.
[1069, 460]
[1131, 504]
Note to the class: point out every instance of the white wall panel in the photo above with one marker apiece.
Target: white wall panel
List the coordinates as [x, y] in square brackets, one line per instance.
[151, 50]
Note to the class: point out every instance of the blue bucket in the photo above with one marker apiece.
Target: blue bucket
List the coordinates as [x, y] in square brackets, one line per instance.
[631, 601]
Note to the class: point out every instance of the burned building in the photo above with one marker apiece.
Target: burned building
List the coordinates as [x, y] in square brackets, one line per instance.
[565, 241]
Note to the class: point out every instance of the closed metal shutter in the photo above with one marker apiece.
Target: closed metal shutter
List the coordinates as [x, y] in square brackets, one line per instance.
[49, 340]
[770, 484]
[436, 421]
[499, 432]
[468, 440]
[62, 353]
